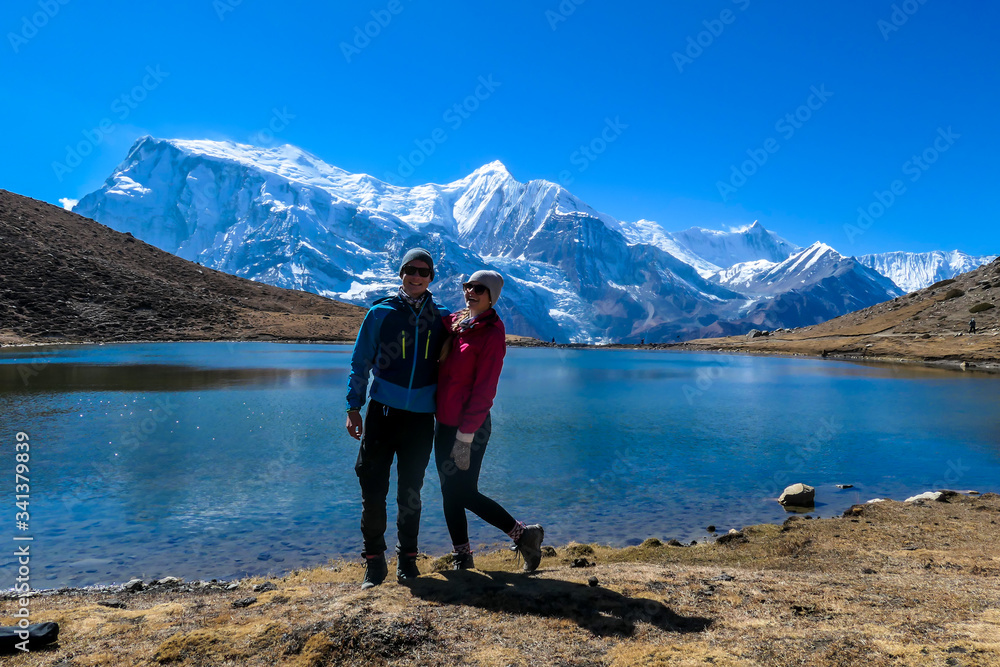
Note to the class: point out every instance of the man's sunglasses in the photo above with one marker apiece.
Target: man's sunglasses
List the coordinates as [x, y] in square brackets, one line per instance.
[475, 287]
[410, 270]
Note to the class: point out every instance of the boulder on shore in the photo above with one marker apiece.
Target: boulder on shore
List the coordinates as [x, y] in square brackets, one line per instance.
[798, 495]
[926, 495]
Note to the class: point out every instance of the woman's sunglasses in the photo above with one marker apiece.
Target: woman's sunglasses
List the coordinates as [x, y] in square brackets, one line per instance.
[475, 287]
[410, 270]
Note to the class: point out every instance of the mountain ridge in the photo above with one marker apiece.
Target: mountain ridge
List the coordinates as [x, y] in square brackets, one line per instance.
[285, 217]
[71, 279]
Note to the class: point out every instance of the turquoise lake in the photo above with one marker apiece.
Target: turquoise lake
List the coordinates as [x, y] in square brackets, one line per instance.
[214, 460]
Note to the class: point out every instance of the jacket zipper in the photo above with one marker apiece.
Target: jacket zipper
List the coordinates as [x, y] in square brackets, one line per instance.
[413, 371]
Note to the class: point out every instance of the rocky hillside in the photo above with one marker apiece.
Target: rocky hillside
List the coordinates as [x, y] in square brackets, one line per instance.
[65, 278]
[931, 324]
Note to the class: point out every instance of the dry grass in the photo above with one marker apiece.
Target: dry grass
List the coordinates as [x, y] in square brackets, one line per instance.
[889, 584]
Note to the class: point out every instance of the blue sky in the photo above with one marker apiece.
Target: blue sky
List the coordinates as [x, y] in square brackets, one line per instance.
[712, 113]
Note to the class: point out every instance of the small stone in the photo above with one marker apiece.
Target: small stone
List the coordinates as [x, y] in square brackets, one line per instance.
[169, 581]
[674, 543]
[592, 581]
[114, 604]
[264, 587]
[867, 570]
[133, 585]
[711, 529]
[581, 562]
[233, 586]
[724, 577]
[244, 602]
[732, 537]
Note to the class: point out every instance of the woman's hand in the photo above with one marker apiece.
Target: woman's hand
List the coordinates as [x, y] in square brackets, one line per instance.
[461, 453]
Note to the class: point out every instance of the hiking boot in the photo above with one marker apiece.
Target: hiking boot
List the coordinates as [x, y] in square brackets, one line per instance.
[462, 562]
[375, 570]
[530, 546]
[406, 567]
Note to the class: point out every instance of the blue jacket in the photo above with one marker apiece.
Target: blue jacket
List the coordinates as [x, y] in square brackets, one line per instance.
[400, 347]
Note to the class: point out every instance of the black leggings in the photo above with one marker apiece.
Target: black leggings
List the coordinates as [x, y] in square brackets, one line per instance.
[460, 488]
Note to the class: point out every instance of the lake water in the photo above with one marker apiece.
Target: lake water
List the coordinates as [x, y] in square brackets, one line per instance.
[205, 460]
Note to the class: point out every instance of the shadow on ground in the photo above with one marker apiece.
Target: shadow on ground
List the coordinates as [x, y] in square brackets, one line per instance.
[599, 610]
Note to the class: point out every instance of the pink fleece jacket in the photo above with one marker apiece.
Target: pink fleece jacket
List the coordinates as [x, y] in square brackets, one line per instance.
[467, 380]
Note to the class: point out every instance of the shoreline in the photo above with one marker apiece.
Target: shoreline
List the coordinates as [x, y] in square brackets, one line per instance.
[710, 538]
[970, 365]
[889, 583]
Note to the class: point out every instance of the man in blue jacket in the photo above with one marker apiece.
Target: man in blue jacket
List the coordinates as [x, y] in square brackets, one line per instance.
[399, 344]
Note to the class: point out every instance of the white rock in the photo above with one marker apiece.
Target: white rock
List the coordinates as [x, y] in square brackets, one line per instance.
[926, 495]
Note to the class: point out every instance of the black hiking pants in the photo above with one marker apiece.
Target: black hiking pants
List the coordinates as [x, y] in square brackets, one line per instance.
[460, 488]
[409, 437]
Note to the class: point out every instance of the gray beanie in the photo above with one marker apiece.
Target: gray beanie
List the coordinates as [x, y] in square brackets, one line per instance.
[418, 254]
[492, 280]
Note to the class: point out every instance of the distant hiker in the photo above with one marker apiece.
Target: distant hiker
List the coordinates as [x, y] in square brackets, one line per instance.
[400, 344]
[466, 389]
[972, 325]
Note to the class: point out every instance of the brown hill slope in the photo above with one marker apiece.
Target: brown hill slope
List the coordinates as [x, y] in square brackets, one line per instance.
[66, 278]
[931, 324]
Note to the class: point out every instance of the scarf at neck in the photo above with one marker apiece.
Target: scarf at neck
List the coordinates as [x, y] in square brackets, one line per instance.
[414, 302]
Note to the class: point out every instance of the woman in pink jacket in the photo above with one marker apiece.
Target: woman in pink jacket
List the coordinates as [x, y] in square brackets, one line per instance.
[467, 385]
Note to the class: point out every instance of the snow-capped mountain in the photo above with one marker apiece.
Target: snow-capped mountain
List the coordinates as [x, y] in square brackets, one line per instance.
[710, 250]
[804, 268]
[913, 271]
[807, 288]
[285, 217]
